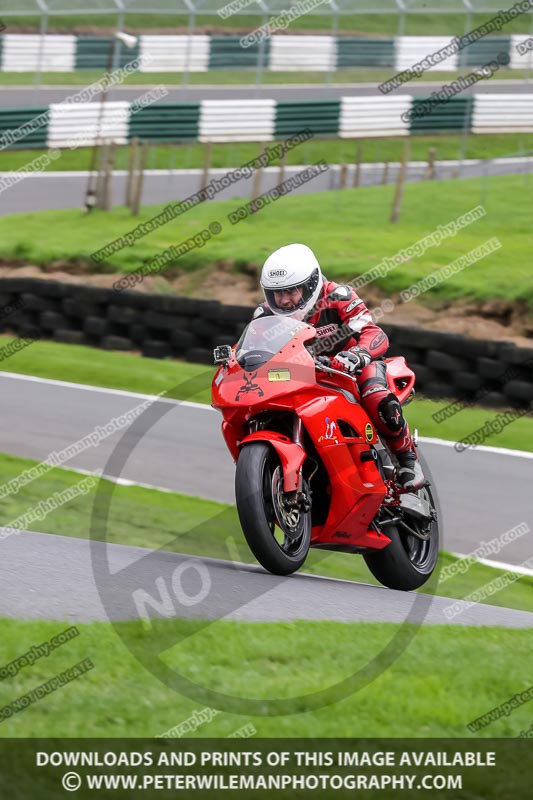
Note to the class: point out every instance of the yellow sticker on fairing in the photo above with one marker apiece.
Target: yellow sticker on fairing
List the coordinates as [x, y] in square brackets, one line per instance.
[279, 375]
[369, 432]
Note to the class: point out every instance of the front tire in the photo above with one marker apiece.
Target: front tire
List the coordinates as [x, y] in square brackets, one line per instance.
[261, 505]
[408, 561]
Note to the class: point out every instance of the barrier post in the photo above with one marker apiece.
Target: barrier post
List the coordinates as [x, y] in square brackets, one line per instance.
[332, 67]
[108, 177]
[190, 32]
[117, 44]
[42, 34]
[462, 60]
[282, 163]
[358, 160]
[401, 22]
[398, 194]
[140, 180]
[131, 170]
[430, 169]
[464, 139]
[258, 174]
[101, 150]
[207, 164]
[484, 181]
[260, 54]
[342, 176]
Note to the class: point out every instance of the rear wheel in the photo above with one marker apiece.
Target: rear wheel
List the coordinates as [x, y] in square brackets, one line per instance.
[277, 530]
[410, 558]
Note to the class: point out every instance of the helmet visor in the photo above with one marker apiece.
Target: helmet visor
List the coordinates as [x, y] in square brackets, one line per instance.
[288, 299]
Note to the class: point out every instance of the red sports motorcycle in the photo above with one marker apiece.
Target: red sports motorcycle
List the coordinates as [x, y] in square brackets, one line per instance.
[311, 469]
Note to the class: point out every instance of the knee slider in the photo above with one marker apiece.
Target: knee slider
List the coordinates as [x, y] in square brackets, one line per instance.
[390, 413]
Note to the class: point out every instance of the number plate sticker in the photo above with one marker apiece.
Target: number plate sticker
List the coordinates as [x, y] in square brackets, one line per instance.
[279, 375]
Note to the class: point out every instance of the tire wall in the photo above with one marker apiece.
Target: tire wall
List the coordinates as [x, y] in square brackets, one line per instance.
[496, 373]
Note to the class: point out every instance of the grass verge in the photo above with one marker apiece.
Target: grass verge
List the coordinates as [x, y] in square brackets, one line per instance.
[443, 680]
[340, 226]
[243, 77]
[417, 24]
[334, 151]
[182, 524]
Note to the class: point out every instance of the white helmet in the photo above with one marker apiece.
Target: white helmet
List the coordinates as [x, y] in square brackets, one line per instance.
[292, 267]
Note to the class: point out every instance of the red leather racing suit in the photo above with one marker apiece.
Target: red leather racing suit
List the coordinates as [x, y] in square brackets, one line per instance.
[342, 321]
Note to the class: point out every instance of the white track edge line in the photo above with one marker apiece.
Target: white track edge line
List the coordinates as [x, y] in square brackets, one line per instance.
[104, 390]
[488, 562]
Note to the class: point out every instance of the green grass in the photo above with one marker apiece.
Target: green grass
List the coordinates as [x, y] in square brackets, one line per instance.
[242, 77]
[425, 24]
[336, 151]
[193, 382]
[443, 680]
[178, 523]
[340, 226]
[215, 77]
[114, 370]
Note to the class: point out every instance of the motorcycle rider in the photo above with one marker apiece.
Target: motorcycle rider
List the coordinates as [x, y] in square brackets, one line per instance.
[293, 285]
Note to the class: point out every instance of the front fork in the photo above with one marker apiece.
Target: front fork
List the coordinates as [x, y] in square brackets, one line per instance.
[299, 499]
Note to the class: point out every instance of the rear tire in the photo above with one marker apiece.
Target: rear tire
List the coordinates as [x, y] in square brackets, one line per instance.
[257, 493]
[407, 562]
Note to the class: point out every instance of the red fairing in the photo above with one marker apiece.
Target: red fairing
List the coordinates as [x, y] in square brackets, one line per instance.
[400, 377]
[291, 455]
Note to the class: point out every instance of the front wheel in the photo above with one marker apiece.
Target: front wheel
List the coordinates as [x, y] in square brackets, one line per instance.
[277, 532]
[410, 558]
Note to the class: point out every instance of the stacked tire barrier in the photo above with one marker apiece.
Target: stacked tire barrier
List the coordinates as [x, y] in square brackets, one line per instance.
[160, 326]
[21, 52]
[447, 365]
[251, 119]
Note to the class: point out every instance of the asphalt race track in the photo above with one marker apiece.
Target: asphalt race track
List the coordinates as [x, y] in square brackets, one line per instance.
[51, 577]
[40, 191]
[482, 494]
[13, 96]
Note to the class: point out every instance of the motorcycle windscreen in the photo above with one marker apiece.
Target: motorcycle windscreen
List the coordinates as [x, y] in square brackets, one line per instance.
[264, 338]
